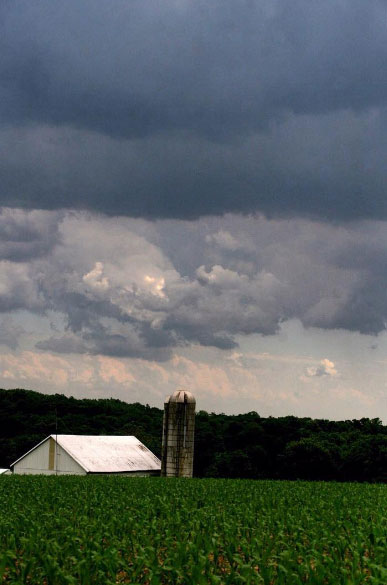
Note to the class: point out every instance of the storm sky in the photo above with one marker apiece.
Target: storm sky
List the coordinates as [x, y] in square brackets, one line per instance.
[193, 194]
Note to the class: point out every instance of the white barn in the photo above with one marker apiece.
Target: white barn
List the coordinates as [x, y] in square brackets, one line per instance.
[88, 454]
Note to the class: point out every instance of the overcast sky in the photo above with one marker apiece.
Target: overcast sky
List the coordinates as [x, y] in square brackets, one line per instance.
[193, 194]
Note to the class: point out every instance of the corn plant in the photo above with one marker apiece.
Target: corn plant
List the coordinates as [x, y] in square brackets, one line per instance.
[155, 531]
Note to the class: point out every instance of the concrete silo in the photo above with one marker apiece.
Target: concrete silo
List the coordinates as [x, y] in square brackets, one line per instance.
[178, 435]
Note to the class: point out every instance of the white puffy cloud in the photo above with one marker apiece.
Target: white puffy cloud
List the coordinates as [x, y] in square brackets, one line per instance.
[227, 241]
[95, 278]
[324, 368]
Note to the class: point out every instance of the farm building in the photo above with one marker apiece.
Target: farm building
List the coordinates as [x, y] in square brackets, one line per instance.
[178, 435]
[87, 454]
[5, 471]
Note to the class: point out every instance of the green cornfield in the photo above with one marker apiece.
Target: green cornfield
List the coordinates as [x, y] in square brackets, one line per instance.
[109, 530]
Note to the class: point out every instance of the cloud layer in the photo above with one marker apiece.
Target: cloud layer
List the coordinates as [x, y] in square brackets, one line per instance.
[183, 109]
[124, 287]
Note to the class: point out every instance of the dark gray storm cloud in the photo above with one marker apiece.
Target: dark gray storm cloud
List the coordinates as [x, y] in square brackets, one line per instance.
[25, 236]
[183, 108]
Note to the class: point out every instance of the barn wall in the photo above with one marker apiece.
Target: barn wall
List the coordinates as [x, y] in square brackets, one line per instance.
[128, 473]
[48, 460]
[67, 464]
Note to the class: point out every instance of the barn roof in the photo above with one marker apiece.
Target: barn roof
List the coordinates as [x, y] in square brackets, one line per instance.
[2, 471]
[107, 454]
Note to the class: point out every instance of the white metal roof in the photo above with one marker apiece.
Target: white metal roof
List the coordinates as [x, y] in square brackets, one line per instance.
[108, 454]
[3, 471]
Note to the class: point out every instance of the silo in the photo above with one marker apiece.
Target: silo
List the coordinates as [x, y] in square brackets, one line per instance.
[178, 435]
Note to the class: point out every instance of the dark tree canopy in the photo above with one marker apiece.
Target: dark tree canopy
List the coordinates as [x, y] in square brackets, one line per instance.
[244, 445]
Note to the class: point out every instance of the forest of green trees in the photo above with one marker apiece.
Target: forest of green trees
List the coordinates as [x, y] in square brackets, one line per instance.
[245, 445]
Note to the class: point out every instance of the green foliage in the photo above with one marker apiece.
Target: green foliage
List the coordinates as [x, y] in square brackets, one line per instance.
[242, 446]
[28, 417]
[155, 531]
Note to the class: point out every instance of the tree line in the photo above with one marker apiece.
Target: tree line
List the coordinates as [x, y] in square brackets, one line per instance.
[244, 445]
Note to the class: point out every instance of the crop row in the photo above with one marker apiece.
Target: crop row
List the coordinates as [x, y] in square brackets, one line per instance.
[109, 530]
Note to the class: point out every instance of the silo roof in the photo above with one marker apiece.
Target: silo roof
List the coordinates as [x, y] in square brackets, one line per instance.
[181, 396]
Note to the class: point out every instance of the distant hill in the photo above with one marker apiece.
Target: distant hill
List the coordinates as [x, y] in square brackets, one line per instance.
[244, 445]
